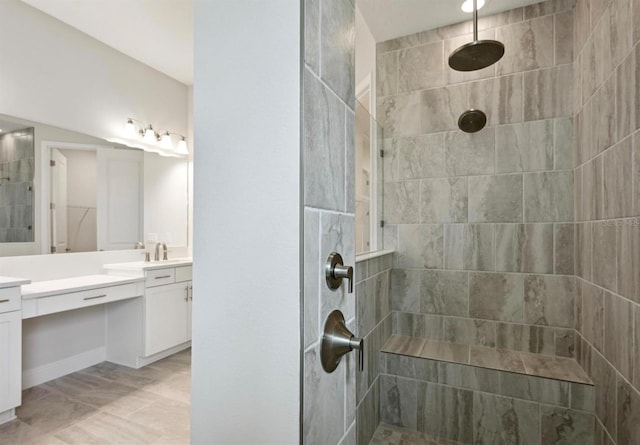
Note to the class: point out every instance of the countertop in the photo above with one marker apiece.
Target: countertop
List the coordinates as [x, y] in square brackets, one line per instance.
[141, 266]
[12, 282]
[75, 284]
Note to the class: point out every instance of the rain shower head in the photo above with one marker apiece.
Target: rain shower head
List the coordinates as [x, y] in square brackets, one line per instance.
[472, 121]
[477, 54]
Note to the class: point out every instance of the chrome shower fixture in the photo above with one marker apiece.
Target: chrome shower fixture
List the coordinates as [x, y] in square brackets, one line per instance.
[478, 54]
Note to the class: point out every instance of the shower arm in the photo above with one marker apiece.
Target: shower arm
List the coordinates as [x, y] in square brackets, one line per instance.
[475, 20]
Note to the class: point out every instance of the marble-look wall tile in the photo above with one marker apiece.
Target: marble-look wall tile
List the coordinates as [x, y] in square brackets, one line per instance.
[528, 146]
[421, 156]
[628, 259]
[524, 248]
[337, 45]
[636, 358]
[583, 397]
[350, 437]
[405, 290]
[444, 292]
[602, 44]
[628, 412]
[549, 300]
[525, 338]
[452, 76]
[495, 198]
[563, 27]
[445, 412]
[592, 189]
[604, 115]
[547, 92]
[398, 401]
[528, 45]
[593, 315]
[604, 255]
[411, 367]
[469, 247]
[417, 325]
[387, 74]
[444, 200]
[547, 7]
[536, 389]
[565, 426]
[468, 377]
[563, 261]
[441, 107]
[496, 296]
[470, 331]
[604, 378]
[621, 29]
[548, 197]
[618, 334]
[565, 342]
[625, 97]
[500, 98]
[365, 308]
[420, 246]
[421, 67]
[469, 154]
[323, 405]
[367, 415]
[617, 180]
[311, 275]
[401, 203]
[578, 214]
[511, 420]
[564, 143]
[400, 115]
[324, 144]
[588, 69]
[391, 159]
[312, 35]
[581, 23]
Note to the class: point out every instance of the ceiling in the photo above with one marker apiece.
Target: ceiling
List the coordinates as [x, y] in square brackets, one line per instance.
[159, 33]
[388, 19]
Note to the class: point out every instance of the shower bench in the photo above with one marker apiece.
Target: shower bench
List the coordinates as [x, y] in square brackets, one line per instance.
[473, 394]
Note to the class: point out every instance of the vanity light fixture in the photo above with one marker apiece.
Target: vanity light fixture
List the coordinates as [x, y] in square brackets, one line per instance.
[134, 129]
[467, 6]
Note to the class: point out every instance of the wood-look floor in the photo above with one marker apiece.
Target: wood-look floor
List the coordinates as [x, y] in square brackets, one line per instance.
[108, 404]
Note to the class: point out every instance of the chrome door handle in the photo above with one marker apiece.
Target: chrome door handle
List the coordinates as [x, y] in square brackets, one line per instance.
[337, 341]
[336, 271]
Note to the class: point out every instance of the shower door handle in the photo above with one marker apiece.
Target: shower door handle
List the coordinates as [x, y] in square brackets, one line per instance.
[336, 271]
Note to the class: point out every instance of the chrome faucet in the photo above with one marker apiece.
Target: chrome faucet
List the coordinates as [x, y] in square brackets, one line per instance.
[156, 257]
[139, 245]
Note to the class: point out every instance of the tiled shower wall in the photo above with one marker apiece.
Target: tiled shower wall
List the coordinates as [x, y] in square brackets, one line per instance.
[607, 206]
[329, 405]
[16, 181]
[482, 223]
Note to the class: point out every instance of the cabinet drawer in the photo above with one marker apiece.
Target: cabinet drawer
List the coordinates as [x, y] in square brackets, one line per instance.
[159, 277]
[184, 273]
[77, 300]
[10, 299]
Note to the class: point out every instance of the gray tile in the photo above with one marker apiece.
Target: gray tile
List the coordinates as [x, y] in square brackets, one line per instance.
[563, 256]
[564, 143]
[529, 45]
[549, 300]
[618, 334]
[367, 415]
[469, 247]
[604, 379]
[387, 74]
[404, 345]
[621, 30]
[350, 437]
[405, 290]
[400, 115]
[324, 145]
[502, 359]
[563, 27]
[421, 67]
[467, 377]
[469, 331]
[444, 292]
[469, 154]
[444, 200]
[593, 315]
[311, 275]
[604, 258]
[421, 156]
[496, 296]
[547, 93]
[440, 108]
[565, 426]
[350, 161]
[495, 198]
[528, 146]
[445, 351]
[312, 34]
[565, 342]
[420, 246]
[401, 204]
[417, 325]
[398, 401]
[618, 181]
[604, 132]
[592, 192]
[504, 419]
[636, 358]
[444, 412]
[625, 94]
[365, 308]
[411, 367]
[524, 248]
[500, 98]
[536, 389]
[628, 409]
[554, 367]
[583, 397]
[337, 43]
[548, 197]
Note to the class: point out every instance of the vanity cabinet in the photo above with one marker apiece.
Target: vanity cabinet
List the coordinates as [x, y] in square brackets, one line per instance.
[10, 350]
[167, 317]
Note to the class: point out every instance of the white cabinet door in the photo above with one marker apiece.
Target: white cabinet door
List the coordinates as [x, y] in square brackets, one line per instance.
[190, 308]
[10, 360]
[167, 317]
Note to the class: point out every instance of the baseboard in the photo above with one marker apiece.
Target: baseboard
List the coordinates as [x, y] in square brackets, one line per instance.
[144, 361]
[7, 416]
[42, 374]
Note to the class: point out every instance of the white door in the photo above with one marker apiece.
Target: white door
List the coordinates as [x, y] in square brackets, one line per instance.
[10, 360]
[167, 317]
[120, 199]
[59, 232]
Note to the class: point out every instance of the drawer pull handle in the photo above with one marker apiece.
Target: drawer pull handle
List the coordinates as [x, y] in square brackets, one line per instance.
[163, 276]
[4, 301]
[93, 298]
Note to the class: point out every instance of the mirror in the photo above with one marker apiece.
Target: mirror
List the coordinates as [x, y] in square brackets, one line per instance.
[62, 192]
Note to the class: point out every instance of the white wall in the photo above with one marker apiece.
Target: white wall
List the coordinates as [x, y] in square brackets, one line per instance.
[365, 57]
[247, 221]
[55, 74]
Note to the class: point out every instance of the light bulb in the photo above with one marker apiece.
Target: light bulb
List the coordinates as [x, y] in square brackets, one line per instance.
[165, 141]
[182, 148]
[150, 136]
[130, 129]
[467, 6]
